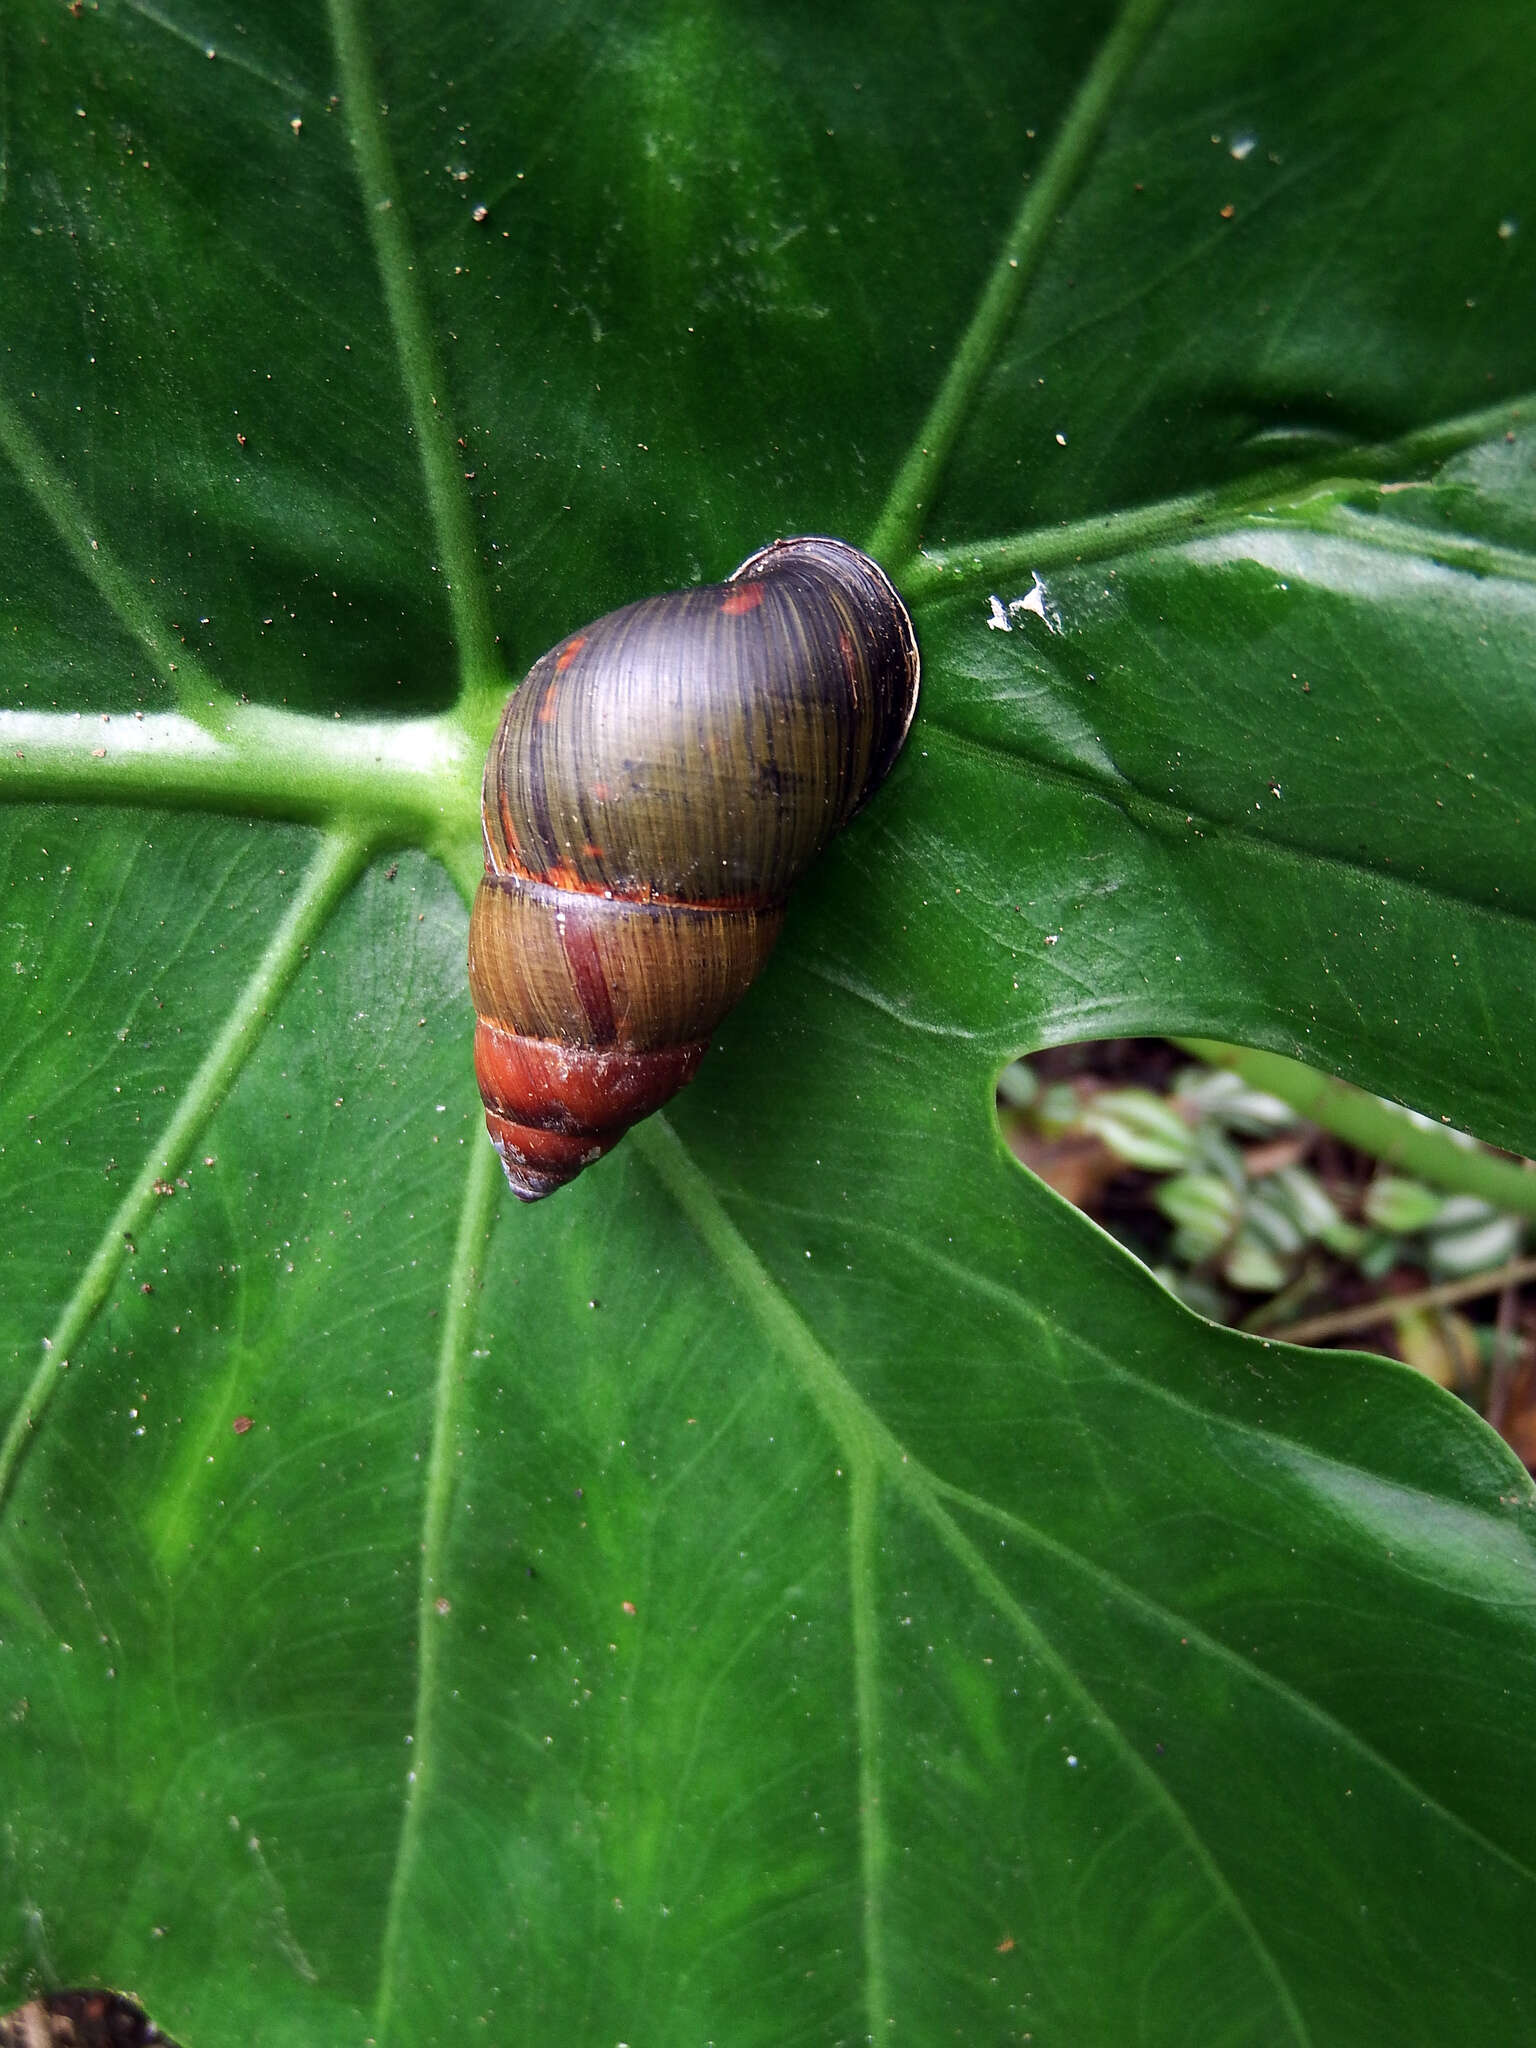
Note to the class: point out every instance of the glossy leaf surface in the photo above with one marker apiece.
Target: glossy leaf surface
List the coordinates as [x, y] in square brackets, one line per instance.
[803, 1580]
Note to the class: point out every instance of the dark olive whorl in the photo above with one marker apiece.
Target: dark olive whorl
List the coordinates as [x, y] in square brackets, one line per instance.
[658, 783]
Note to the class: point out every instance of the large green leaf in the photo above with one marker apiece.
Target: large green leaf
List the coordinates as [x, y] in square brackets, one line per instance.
[803, 1582]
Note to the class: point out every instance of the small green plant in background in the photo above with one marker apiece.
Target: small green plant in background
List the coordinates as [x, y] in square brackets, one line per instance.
[1235, 1193]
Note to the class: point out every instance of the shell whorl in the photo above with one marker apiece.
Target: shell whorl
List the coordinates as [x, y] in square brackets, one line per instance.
[657, 785]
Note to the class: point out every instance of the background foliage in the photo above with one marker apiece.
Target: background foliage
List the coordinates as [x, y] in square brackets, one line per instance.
[804, 1580]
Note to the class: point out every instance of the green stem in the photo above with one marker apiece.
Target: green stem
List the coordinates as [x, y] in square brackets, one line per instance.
[331, 873]
[421, 368]
[1395, 1136]
[896, 531]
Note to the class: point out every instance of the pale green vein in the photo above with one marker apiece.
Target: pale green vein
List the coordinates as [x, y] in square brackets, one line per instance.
[331, 873]
[1515, 1485]
[1302, 494]
[434, 1605]
[421, 368]
[1181, 1626]
[1300, 864]
[896, 532]
[204, 48]
[1428, 544]
[871, 1451]
[863, 1550]
[1007, 1603]
[861, 1435]
[1423, 447]
[200, 697]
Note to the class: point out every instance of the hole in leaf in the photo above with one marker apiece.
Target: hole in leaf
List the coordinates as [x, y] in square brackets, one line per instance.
[80, 2019]
[1268, 1197]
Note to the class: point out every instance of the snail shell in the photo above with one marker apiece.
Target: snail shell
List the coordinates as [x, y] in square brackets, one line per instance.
[657, 785]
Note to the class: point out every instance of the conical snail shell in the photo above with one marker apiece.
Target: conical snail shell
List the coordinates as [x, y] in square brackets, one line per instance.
[657, 785]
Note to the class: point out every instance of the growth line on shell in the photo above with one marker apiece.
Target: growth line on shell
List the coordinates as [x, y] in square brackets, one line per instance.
[331, 873]
[895, 537]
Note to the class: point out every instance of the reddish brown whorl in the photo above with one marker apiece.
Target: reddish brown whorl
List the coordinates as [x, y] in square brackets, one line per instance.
[551, 1109]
